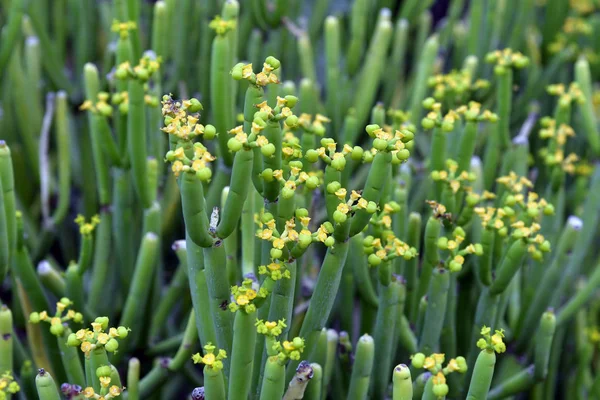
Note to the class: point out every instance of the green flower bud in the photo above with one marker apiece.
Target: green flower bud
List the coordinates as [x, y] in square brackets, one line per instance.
[142, 74]
[301, 213]
[368, 157]
[478, 249]
[500, 70]
[454, 266]
[236, 71]
[459, 232]
[428, 103]
[545, 246]
[297, 342]
[330, 241]
[122, 332]
[462, 364]
[447, 126]
[103, 321]
[57, 329]
[368, 241]
[328, 226]
[549, 209]
[273, 62]
[266, 217]
[304, 240]
[124, 108]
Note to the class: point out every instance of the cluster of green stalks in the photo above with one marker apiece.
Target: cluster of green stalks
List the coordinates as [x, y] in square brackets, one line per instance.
[280, 200]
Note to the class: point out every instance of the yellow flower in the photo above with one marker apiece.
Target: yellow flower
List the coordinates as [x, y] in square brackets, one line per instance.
[278, 243]
[429, 363]
[242, 300]
[114, 391]
[343, 208]
[104, 381]
[88, 392]
[86, 347]
[103, 338]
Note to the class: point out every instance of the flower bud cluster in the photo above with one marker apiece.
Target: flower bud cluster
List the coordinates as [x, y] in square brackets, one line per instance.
[210, 359]
[433, 364]
[491, 342]
[60, 318]
[100, 336]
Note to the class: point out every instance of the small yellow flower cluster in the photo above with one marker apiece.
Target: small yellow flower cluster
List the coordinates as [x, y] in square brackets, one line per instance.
[455, 85]
[263, 78]
[505, 59]
[583, 6]
[123, 28]
[433, 364]
[121, 99]
[457, 255]
[386, 246]
[398, 142]
[472, 112]
[101, 107]
[142, 72]
[439, 210]
[435, 117]
[567, 95]
[198, 163]
[315, 126]
[270, 328]
[8, 385]
[210, 359]
[456, 182]
[86, 228]
[221, 26]
[111, 392]
[553, 154]
[56, 322]
[295, 178]
[289, 349]
[181, 119]
[575, 34]
[88, 340]
[243, 297]
[491, 342]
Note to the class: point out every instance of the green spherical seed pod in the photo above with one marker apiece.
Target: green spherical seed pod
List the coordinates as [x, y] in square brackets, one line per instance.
[287, 193]
[291, 121]
[291, 100]
[312, 156]
[72, 341]
[103, 321]
[304, 240]
[209, 132]
[267, 217]
[124, 108]
[122, 332]
[104, 370]
[301, 213]
[368, 241]
[319, 130]
[330, 241]
[57, 329]
[374, 260]
[458, 231]
[440, 390]
[236, 73]
[34, 317]
[442, 243]
[403, 155]
[267, 175]
[275, 253]
[371, 207]
[121, 73]
[112, 345]
[261, 116]
[338, 163]
[500, 70]
[427, 123]
[418, 360]
[312, 182]
[339, 217]
[333, 187]
[357, 153]
[273, 62]
[428, 102]
[142, 74]
[533, 212]
[408, 136]
[372, 128]
[204, 174]
[447, 126]
[549, 209]
[268, 150]
[380, 144]
[234, 145]
[455, 266]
